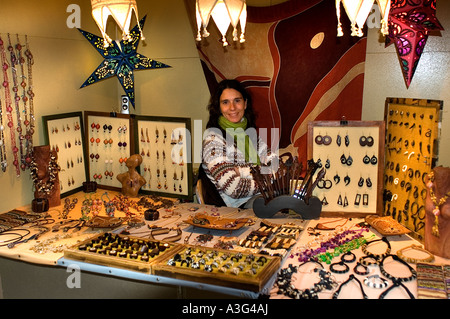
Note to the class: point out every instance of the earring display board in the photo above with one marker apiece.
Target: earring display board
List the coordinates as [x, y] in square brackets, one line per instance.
[352, 153]
[165, 146]
[412, 134]
[109, 145]
[64, 134]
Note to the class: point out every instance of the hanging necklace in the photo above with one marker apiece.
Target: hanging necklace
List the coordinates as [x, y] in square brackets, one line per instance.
[45, 188]
[437, 204]
[15, 89]
[5, 67]
[3, 162]
[26, 156]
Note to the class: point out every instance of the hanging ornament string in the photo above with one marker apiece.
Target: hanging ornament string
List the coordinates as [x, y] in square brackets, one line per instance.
[45, 188]
[30, 131]
[3, 161]
[26, 159]
[8, 107]
[15, 89]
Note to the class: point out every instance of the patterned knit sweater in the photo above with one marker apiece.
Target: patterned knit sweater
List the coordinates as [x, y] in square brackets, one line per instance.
[225, 166]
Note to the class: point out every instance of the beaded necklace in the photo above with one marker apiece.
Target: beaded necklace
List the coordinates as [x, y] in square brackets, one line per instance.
[26, 156]
[8, 106]
[45, 188]
[437, 204]
[3, 161]
[15, 89]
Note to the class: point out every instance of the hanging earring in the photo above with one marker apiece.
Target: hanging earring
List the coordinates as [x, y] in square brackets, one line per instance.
[366, 199]
[357, 199]
[347, 140]
[339, 202]
[319, 140]
[366, 159]
[349, 161]
[345, 201]
[361, 182]
[347, 180]
[369, 182]
[343, 159]
[324, 201]
[327, 164]
[338, 140]
[336, 178]
[374, 160]
[327, 140]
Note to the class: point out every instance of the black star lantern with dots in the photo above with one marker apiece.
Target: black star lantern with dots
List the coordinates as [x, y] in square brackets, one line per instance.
[121, 61]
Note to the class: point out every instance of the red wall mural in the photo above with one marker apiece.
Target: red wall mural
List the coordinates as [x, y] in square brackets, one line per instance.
[293, 64]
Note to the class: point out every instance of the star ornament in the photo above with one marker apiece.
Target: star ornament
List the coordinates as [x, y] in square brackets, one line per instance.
[120, 61]
[409, 27]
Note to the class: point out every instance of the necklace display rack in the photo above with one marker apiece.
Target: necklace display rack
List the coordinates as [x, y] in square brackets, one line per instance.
[353, 154]
[412, 134]
[64, 134]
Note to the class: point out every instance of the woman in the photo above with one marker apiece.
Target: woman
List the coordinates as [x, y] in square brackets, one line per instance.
[231, 146]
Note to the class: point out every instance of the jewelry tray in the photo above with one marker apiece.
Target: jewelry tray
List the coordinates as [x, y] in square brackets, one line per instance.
[216, 223]
[241, 280]
[104, 241]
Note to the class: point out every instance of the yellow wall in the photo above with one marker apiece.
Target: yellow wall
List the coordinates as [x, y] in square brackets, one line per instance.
[64, 59]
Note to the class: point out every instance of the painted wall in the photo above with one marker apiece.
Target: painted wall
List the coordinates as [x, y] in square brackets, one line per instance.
[64, 59]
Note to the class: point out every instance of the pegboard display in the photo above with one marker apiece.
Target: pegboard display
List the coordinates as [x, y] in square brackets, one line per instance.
[412, 133]
[64, 134]
[353, 154]
[165, 146]
[108, 146]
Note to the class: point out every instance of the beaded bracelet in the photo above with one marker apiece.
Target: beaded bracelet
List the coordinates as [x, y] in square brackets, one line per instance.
[375, 281]
[350, 278]
[339, 271]
[363, 260]
[377, 256]
[401, 279]
[348, 253]
[430, 257]
[366, 269]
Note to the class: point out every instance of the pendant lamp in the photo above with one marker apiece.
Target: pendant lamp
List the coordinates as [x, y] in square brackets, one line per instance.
[224, 13]
[358, 11]
[120, 10]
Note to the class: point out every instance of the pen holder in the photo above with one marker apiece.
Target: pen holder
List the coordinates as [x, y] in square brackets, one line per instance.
[311, 210]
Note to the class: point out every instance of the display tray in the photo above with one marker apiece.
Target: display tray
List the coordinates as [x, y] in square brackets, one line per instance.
[218, 223]
[226, 268]
[115, 250]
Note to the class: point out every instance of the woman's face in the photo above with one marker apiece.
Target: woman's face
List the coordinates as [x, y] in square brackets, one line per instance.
[232, 105]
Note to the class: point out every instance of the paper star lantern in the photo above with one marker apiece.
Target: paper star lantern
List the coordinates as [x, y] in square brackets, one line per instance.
[409, 26]
[121, 61]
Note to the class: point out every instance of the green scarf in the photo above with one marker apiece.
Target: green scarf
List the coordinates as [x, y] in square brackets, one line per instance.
[241, 138]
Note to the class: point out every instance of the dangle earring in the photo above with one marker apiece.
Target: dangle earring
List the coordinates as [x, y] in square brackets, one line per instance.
[345, 204]
[336, 178]
[324, 201]
[327, 164]
[361, 182]
[368, 182]
[338, 140]
[347, 140]
[339, 202]
[357, 199]
[347, 180]
[366, 199]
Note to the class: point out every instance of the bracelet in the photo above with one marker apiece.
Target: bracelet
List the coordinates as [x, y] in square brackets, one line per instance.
[375, 281]
[363, 261]
[362, 273]
[401, 279]
[350, 278]
[339, 271]
[348, 253]
[377, 256]
[430, 257]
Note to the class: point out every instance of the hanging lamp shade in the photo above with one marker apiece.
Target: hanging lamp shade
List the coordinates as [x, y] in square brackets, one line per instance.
[120, 10]
[358, 11]
[224, 13]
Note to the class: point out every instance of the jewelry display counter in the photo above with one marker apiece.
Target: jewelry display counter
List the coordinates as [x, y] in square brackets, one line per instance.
[255, 256]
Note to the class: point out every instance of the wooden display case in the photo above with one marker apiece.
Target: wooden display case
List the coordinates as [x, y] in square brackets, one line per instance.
[353, 154]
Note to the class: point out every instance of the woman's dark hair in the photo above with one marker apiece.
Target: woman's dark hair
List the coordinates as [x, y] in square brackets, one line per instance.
[214, 103]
